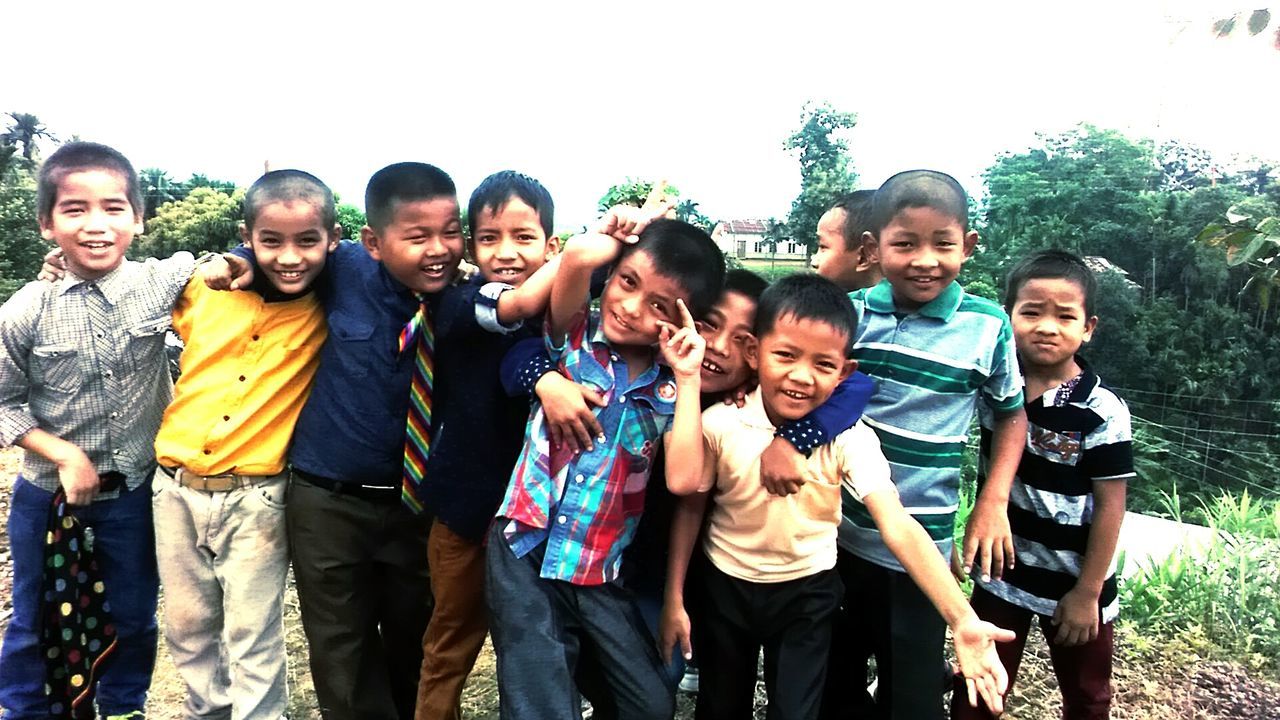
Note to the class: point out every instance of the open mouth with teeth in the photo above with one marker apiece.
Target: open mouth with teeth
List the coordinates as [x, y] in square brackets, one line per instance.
[289, 275]
[508, 272]
[711, 367]
[794, 395]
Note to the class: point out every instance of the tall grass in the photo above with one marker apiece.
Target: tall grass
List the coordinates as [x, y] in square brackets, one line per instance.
[1229, 588]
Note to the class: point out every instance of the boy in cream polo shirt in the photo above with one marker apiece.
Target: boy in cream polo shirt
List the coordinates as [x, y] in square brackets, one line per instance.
[765, 576]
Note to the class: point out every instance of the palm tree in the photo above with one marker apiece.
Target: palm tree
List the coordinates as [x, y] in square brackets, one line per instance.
[25, 129]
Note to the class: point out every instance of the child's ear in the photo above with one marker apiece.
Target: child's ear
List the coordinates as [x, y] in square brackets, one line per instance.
[335, 237]
[369, 239]
[870, 249]
[46, 229]
[245, 235]
[850, 365]
[553, 247]
[1089, 326]
[970, 243]
[751, 352]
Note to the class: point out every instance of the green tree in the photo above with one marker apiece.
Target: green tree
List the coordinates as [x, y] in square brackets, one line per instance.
[825, 168]
[201, 180]
[25, 129]
[632, 192]
[21, 247]
[351, 218]
[206, 220]
[157, 189]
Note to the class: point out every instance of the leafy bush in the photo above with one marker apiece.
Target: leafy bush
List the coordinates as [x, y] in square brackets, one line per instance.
[1229, 589]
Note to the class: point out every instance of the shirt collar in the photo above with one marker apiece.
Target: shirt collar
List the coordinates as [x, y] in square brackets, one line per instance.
[113, 285]
[753, 413]
[880, 299]
[1085, 383]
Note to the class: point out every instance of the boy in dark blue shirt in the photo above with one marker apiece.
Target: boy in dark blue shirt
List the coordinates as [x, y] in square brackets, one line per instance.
[360, 553]
[477, 430]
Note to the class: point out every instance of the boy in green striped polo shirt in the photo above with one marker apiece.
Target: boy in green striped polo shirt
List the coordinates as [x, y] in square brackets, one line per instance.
[934, 351]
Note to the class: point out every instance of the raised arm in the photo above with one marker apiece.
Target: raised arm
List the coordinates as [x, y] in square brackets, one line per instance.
[530, 299]
[683, 349]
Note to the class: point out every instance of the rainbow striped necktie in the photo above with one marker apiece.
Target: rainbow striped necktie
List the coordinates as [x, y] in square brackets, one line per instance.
[417, 437]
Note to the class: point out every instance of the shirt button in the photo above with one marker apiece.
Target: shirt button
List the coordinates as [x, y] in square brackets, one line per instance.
[1060, 517]
[255, 337]
[115, 414]
[107, 374]
[562, 519]
[614, 357]
[241, 378]
[207, 451]
[226, 417]
[115, 452]
[622, 399]
[579, 478]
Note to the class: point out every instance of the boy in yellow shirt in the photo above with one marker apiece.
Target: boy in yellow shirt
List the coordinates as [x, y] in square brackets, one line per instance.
[219, 492]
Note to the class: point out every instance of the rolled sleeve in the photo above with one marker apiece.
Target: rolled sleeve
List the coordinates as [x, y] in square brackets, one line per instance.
[17, 329]
[487, 308]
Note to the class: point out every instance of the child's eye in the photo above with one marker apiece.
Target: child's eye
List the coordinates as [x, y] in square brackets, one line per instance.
[660, 309]
[485, 239]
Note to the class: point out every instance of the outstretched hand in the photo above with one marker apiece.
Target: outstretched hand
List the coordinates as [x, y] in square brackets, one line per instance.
[984, 675]
[682, 347]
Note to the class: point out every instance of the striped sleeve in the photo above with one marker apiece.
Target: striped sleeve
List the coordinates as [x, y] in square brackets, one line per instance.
[1003, 388]
[1108, 449]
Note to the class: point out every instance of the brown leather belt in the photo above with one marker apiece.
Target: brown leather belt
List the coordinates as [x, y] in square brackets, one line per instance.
[212, 483]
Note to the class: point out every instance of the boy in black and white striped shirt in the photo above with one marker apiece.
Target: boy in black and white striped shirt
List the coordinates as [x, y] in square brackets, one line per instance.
[1067, 501]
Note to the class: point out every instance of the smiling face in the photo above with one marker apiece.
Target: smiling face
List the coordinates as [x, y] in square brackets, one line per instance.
[1050, 323]
[800, 363]
[636, 299]
[421, 244]
[509, 244]
[920, 252]
[92, 221]
[291, 243]
[727, 330]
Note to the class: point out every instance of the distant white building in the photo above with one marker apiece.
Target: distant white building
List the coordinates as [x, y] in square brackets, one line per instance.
[1100, 265]
[746, 240]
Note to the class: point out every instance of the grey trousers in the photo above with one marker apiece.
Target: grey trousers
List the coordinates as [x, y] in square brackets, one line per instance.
[223, 557]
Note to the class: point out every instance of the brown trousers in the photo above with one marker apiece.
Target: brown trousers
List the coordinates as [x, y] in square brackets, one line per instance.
[458, 624]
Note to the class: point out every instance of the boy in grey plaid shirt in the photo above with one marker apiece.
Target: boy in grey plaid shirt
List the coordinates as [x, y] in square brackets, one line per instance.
[83, 384]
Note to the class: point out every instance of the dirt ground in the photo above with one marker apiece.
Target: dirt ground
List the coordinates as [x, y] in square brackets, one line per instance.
[1152, 680]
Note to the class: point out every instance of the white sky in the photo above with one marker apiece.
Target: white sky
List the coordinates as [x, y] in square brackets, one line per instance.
[581, 95]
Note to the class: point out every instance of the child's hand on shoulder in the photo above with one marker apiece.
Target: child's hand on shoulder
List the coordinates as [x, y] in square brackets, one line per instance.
[1076, 617]
[682, 347]
[226, 272]
[984, 675]
[54, 267]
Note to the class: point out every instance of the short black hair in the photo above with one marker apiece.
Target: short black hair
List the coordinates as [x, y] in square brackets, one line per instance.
[79, 156]
[1051, 264]
[495, 191]
[403, 182]
[919, 189]
[857, 216]
[745, 283]
[289, 186]
[806, 296]
[688, 255]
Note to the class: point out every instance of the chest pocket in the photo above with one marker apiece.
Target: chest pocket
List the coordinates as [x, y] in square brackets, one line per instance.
[146, 349]
[352, 343]
[55, 367]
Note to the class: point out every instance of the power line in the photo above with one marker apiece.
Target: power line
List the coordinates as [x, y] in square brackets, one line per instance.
[1198, 413]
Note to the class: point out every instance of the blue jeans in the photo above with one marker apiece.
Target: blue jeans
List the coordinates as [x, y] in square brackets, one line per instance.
[125, 547]
[537, 627]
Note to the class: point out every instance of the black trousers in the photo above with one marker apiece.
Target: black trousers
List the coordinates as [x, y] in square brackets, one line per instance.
[733, 619]
[886, 615]
[365, 593]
